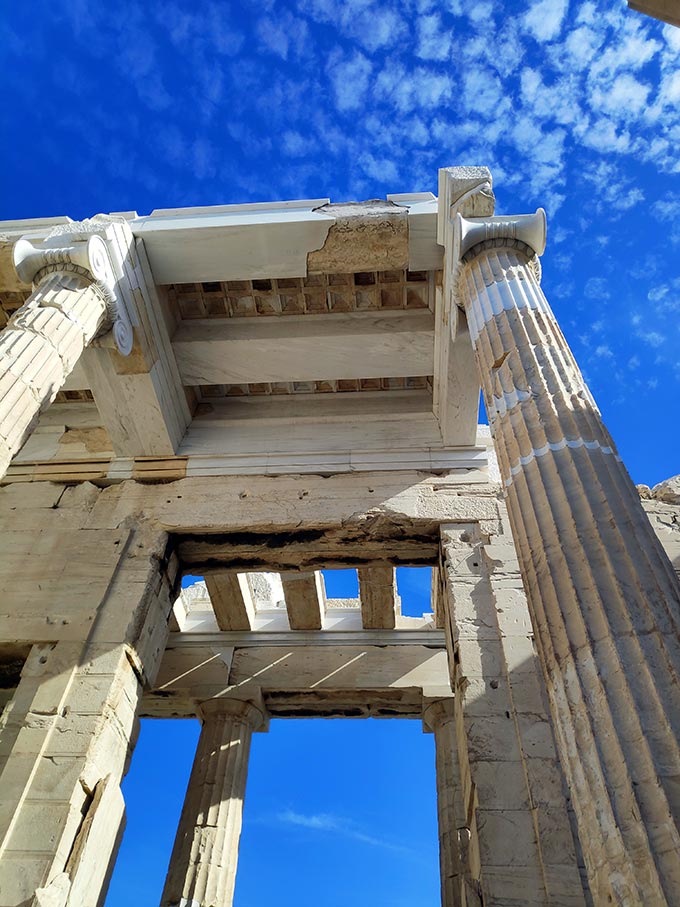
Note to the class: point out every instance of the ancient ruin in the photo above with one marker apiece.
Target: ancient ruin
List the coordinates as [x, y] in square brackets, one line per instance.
[253, 394]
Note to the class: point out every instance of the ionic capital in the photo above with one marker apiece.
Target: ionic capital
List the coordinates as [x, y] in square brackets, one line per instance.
[84, 258]
[526, 232]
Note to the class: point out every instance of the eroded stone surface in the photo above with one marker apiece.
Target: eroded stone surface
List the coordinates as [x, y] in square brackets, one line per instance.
[366, 236]
[668, 491]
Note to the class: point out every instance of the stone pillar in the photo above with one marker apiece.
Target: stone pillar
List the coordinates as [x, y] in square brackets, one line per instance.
[66, 745]
[203, 864]
[42, 342]
[514, 837]
[439, 717]
[98, 599]
[604, 599]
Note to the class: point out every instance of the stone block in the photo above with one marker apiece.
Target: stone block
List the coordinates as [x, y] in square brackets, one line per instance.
[536, 736]
[492, 738]
[555, 836]
[53, 778]
[564, 885]
[31, 737]
[520, 655]
[501, 785]
[72, 735]
[514, 886]
[545, 781]
[481, 659]
[40, 826]
[512, 613]
[22, 874]
[486, 696]
[21, 496]
[96, 840]
[527, 694]
[507, 838]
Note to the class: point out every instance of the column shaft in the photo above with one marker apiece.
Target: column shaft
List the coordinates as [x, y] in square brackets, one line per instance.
[38, 350]
[203, 864]
[604, 597]
[440, 717]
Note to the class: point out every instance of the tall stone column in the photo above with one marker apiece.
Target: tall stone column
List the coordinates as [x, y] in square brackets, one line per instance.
[203, 864]
[71, 304]
[604, 599]
[439, 717]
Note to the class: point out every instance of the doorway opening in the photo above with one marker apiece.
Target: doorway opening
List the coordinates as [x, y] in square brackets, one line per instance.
[340, 812]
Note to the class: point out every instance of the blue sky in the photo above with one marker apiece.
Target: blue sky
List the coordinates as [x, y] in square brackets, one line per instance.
[573, 104]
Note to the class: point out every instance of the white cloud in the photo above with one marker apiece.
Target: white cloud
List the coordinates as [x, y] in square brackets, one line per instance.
[382, 170]
[582, 44]
[280, 35]
[544, 19]
[350, 79]
[672, 37]
[483, 93]
[320, 821]
[652, 338]
[596, 288]
[624, 97]
[434, 39]
[294, 144]
[419, 89]
[479, 11]
[370, 24]
[669, 91]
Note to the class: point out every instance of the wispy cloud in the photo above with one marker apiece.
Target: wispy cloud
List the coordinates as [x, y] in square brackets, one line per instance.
[337, 825]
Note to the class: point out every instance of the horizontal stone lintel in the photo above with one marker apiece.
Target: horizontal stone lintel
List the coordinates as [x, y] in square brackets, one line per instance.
[434, 639]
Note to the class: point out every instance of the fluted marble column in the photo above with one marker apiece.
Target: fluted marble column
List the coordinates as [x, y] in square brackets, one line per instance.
[605, 600]
[203, 864]
[42, 342]
[439, 718]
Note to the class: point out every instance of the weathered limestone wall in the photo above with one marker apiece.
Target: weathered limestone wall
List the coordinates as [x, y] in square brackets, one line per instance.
[87, 583]
[93, 604]
[514, 833]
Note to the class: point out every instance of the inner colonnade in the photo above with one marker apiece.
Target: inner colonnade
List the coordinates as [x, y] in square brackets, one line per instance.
[257, 393]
